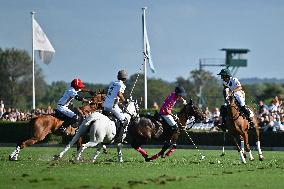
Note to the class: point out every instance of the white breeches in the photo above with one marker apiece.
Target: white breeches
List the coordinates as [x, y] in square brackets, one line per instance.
[117, 112]
[66, 111]
[169, 119]
[240, 96]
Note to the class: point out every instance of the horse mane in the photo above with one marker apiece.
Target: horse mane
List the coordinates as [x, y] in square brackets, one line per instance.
[96, 103]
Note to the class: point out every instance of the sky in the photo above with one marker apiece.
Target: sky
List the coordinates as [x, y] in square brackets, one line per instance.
[94, 39]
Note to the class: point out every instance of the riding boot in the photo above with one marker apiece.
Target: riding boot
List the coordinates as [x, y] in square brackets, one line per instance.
[119, 135]
[172, 130]
[174, 127]
[71, 121]
[74, 122]
[62, 128]
[120, 132]
[246, 113]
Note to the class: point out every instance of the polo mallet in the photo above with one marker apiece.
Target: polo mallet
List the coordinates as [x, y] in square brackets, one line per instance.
[201, 156]
[224, 140]
[177, 119]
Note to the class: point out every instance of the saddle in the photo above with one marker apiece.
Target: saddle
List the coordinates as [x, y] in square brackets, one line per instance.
[158, 122]
[60, 116]
[112, 117]
[224, 109]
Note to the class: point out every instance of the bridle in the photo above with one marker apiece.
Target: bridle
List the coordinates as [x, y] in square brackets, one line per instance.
[187, 113]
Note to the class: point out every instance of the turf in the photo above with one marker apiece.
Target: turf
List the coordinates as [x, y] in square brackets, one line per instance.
[36, 169]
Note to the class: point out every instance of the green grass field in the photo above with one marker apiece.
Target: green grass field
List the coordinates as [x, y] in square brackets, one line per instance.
[36, 169]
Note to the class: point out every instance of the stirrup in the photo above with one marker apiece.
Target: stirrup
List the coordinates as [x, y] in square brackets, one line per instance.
[222, 126]
[62, 129]
[251, 125]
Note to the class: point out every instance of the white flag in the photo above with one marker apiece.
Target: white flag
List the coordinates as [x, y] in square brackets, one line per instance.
[42, 44]
[147, 49]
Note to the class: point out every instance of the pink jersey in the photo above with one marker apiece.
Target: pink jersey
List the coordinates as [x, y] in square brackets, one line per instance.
[168, 104]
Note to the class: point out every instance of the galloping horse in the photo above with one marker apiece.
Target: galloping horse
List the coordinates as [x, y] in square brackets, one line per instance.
[143, 129]
[238, 127]
[102, 131]
[43, 125]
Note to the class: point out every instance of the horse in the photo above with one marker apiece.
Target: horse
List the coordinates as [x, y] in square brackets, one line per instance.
[146, 128]
[238, 126]
[42, 125]
[102, 130]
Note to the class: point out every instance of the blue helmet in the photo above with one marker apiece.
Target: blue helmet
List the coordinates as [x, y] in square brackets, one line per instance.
[179, 90]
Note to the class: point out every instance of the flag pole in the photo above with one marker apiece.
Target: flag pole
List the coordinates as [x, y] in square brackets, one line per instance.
[144, 57]
[33, 58]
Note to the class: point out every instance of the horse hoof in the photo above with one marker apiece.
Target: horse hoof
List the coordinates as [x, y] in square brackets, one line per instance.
[79, 159]
[56, 157]
[147, 159]
[105, 151]
[163, 156]
[261, 158]
[13, 158]
[223, 154]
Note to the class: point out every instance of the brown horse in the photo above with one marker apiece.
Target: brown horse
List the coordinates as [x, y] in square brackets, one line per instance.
[43, 125]
[238, 127]
[144, 129]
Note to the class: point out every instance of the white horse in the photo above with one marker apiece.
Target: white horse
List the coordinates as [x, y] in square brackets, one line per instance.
[102, 130]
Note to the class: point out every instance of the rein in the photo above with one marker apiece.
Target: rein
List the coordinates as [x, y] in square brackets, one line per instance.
[126, 111]
[184, 126]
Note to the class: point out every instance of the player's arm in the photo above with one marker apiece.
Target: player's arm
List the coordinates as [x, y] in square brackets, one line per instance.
[121, 97]
[79, 98]
[88, 91]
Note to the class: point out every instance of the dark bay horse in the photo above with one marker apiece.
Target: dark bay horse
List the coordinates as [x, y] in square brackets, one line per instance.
[43, 125]
[144, 129]
[238, 128]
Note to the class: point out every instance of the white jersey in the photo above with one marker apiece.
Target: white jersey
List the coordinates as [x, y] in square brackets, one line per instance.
[233, 83]
[67, 97]
[113, 90]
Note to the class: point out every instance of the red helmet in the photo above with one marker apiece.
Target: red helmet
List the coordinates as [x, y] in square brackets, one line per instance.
[77, 83]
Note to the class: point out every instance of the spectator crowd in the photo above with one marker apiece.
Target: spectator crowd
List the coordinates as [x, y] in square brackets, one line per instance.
[14, 114]
[270, 116]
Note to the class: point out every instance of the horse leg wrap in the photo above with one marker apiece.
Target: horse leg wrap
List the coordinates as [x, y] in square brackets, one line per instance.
[155, 156]
[243, 146]
[142, 152]
[15, 153]
[171, 151]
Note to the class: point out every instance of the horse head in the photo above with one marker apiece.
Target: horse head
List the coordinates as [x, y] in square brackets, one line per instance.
[132, 107]
[96, 103]
[190, 109]
[233, 106]
[98, 100]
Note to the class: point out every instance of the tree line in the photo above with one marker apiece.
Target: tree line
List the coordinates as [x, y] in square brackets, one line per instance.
[202, 86]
